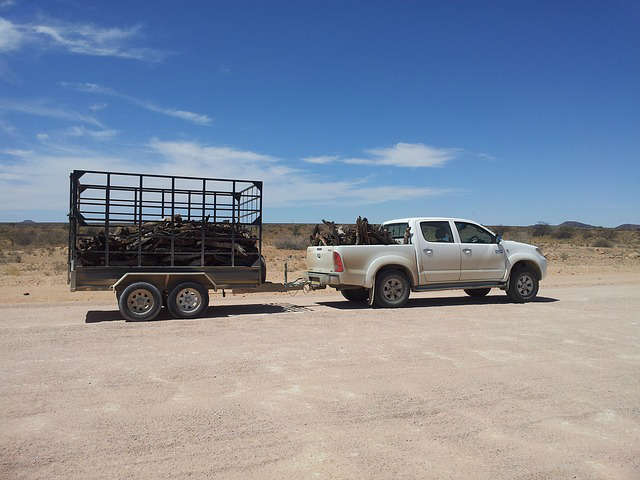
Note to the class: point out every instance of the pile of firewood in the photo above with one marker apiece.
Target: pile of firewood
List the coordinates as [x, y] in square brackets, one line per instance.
[362, 233]
[154, 241]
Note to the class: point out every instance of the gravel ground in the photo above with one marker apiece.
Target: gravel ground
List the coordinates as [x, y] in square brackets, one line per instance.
[310, 386]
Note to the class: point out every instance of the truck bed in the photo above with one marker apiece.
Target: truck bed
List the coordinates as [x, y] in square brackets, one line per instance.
[360, 263]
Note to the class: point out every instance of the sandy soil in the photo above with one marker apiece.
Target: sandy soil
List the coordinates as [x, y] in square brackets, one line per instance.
[310, 386]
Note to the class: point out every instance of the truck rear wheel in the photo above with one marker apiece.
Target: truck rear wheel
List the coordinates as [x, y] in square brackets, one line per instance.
[359, 295]
[392, 289]
[140, 302]
[188, 300]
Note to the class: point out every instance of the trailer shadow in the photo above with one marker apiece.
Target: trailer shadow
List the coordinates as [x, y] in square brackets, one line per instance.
[222, 311]
[439, 302]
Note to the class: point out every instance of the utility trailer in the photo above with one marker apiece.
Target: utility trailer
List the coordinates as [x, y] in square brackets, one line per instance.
[175, 272]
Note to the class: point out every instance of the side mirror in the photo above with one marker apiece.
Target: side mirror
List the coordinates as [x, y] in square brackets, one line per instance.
[498, 239]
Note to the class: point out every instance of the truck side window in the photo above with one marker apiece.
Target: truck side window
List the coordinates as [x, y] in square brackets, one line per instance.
[470, 233]
[397, 230]
[436, 232]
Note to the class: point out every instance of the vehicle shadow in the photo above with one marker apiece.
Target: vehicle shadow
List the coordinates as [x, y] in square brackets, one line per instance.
[98, 316]
[439, 302]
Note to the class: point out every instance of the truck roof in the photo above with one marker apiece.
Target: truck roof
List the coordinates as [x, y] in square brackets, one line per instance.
[423, 219]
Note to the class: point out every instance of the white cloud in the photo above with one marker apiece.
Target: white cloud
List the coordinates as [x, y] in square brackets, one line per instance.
[407, 155]
[399, 155]
[321, 159]
[197, 118]
[42, 136]
[41, 109]
[7, 3]
[98, 106]
[76, 38]
[7, 128]
[286, 185]
[37, 179]
[81, 131]
[11, 38]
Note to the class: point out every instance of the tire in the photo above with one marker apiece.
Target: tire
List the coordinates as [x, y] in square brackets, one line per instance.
[477, 292]
[523, 285]
[359, 295]
[140, 302]
[392, 289]
[188, 300]
[263, 269]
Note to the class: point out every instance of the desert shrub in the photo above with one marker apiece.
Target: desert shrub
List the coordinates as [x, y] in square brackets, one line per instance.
[587, 234]
[608, 233]
[541, 229]
[59, 267]
[12, 270]
[295, 230]
[602, 242]
[291, 243]
[562, 233]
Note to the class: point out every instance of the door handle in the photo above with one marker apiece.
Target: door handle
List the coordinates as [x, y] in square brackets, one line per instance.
[428, 251]
[467, 251]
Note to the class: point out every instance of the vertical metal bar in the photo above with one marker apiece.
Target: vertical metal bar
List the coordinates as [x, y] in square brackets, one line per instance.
[107, 197]
[233, 226]
[173, 212]
[140, 225]
[189, 205]
[71, 249]
[215, 208]
[204, 227]
[260, 186]
[163, 203]
[135, 206]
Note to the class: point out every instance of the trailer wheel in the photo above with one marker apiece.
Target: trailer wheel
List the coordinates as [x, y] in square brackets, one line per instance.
[140, 302]
[188, 300]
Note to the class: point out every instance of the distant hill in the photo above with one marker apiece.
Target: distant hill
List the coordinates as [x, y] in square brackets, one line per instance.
[28, 221]
[628, 226]
[573, 224]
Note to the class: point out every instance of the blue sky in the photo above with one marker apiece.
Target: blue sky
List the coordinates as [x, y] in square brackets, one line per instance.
[504, 112]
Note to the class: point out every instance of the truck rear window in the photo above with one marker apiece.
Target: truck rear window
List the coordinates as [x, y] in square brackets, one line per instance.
[397, 230]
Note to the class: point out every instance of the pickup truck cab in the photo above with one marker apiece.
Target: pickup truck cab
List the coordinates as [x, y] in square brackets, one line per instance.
[441, 254]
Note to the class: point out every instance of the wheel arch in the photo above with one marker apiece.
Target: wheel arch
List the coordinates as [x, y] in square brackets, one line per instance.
[524, 262]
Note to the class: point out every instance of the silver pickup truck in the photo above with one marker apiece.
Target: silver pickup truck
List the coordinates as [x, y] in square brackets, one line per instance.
[442, 254]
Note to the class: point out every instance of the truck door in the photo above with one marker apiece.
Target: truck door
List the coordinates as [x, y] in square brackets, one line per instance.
[482, 257]
[438, 254]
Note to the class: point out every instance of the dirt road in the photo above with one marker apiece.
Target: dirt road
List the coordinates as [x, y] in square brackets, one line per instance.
[313, 387]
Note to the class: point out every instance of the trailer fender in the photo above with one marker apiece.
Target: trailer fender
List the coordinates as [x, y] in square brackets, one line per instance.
[165, 280]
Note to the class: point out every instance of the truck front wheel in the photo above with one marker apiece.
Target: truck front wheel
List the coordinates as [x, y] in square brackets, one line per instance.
[140, 302]
[188, 300]
[392, 289]
[523, 285]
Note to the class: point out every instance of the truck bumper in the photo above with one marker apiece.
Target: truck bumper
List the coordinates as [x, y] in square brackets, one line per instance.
[322, 280]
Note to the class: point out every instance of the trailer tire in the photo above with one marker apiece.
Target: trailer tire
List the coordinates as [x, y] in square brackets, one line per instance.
[263, 269]
[188, 300]
[140, 302]
[392, 289]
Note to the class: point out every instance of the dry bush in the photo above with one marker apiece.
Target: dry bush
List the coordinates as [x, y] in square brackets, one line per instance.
[291, 243]
[608, 233]
[541, 229]
[12, 270]
[602, 242]
[562, 233]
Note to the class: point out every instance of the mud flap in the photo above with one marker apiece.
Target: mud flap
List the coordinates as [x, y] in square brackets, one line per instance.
[372, 295]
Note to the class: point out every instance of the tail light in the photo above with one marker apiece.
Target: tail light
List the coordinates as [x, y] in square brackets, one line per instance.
[338, 266]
